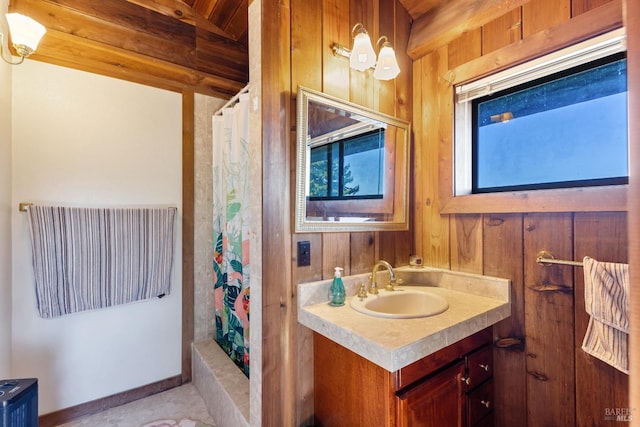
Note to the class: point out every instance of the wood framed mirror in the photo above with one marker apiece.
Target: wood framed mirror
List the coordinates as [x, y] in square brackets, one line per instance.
[352, 171]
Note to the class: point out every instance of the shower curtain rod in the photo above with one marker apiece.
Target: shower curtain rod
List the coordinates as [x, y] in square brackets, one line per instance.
[232, 100]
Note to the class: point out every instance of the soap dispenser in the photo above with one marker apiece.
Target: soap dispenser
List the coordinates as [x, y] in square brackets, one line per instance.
[337, 293]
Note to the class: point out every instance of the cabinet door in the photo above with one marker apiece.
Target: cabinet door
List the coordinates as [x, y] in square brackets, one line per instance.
[437, 402]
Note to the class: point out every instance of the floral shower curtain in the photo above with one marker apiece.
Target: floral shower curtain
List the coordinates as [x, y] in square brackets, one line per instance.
[231, 231]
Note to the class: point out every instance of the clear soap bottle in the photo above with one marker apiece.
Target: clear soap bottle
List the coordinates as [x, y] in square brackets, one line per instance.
[336, 292]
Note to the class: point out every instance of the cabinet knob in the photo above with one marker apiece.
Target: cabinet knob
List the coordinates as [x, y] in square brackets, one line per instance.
[485, 367]
[466, 380]
[486, 403]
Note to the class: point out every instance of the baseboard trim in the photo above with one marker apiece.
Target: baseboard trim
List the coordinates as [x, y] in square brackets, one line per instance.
[69, 414]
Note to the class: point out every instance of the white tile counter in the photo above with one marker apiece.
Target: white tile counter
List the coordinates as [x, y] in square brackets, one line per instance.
[475, 303]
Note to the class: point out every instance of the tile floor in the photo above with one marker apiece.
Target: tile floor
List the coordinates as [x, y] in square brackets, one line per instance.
[178, 403]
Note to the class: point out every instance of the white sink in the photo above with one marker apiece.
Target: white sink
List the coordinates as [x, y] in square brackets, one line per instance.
[401, 304]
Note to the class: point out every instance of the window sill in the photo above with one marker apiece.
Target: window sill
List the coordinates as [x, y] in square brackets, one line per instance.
[584, 199]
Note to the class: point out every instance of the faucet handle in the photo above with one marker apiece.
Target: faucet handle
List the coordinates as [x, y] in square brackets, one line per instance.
[362, 291]
[373, 286]
[392, 283]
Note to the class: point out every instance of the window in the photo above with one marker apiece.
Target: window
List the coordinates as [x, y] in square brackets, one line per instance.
[565, 130]
[350, 168]
[557, 122]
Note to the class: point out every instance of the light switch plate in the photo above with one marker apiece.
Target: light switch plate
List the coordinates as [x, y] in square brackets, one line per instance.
[304, 253]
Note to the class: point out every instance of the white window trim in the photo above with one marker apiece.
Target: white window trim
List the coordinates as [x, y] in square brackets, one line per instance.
[578, 54]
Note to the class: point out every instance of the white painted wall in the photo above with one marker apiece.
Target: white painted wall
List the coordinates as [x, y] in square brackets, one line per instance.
[84, 139]
[5, 209]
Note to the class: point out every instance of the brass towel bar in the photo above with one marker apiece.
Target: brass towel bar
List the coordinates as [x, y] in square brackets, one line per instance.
[546, 258]
[23, 206]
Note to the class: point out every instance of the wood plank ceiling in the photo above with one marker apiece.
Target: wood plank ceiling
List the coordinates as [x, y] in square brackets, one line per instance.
[180, 45]
[190, 45]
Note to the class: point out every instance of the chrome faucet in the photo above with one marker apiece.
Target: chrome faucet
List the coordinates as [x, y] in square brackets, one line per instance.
[373, 286]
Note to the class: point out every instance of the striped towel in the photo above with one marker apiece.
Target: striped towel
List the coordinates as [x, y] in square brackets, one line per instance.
[606, 290]
[90, 258]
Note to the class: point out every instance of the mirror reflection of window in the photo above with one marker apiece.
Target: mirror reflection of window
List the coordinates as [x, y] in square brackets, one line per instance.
[352, 166]
[348, 168]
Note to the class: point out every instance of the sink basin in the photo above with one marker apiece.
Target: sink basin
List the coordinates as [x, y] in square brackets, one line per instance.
[401, 304]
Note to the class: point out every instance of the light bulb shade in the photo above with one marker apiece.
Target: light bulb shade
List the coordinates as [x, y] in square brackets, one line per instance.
[362, 55]
[387, 67]
[25, 33]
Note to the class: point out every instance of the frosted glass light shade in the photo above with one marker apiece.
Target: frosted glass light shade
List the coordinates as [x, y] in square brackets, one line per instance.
[387, 67]
[25, 33]
[362, 54]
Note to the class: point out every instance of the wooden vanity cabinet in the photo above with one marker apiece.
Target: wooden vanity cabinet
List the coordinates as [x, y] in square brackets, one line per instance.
[451, 387]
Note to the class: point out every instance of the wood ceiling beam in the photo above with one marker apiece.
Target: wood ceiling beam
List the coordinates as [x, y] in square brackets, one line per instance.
[210, 48]
[181, 11]
[204, 8]
[236, 25]
[176, 9]
[417, 8]
[115, 15]
[69, 51]
[446, 22]
[164, 38]
[124, 40]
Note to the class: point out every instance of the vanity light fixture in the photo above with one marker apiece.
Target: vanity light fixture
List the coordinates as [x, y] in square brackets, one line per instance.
[387, 67]
[25, 36]
[363, 57]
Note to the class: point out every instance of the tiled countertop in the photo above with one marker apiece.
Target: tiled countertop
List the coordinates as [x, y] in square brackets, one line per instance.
[475, 302]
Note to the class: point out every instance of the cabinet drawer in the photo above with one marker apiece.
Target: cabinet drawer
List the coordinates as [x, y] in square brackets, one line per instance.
[480, 402]
[485, 422]
[441, 358]
[480, 366]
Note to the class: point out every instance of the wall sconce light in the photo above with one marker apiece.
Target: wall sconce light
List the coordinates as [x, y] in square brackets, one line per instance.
[363, 57]
[387, 67]
[25, 36]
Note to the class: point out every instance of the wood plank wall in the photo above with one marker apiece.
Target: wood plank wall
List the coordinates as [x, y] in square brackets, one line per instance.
[632, 15]
[296, 40]
[546, 377]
